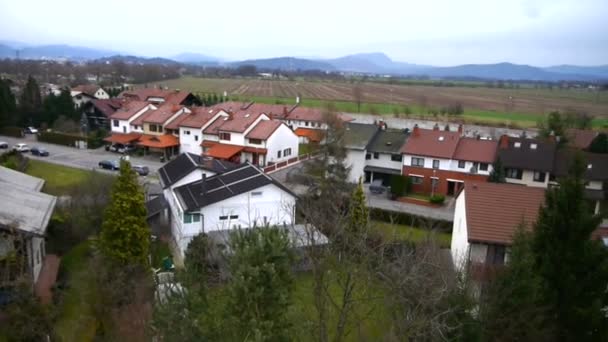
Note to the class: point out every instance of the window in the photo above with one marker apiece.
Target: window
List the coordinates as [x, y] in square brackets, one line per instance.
[136, 127]
[187, 132]
[255, 141]
[416, 179]
[287, 152]
[435, 164]
[222, 218]
[256, 193]
[115, 123]
[396, 157]
[495, 255]
[539, 176]
[376, 155]
[461, 164]
[417, 161]
[307, 123]
[224, 136]
[514, 173]
[153, 128]
[483, 166]
[234, 217]
[196, 138]
[368, 156]
[279, 154]
[189, 218]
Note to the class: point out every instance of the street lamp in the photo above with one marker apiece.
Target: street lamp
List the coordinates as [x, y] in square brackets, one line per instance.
[433, 183]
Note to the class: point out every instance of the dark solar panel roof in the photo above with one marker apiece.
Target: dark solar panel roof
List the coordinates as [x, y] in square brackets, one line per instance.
[185, 163]
[242, 179]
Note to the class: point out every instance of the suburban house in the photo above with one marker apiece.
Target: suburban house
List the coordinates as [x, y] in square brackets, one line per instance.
[83, 94]
[383, 157]
[527, 161]
[157, 136]
[356, 138]
[160, 96]
[243, 197]
[486, 216]
[440, 161]
[24, 216]
[123, 132]
[192, 125]
[596, 176]
[98, 112]
[244, 135]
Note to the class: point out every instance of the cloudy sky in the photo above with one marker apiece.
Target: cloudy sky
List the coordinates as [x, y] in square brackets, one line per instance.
[437, 32]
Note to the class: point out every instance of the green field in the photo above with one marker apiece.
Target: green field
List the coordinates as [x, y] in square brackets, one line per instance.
[58, 178]
[515, 107]
[398, 232]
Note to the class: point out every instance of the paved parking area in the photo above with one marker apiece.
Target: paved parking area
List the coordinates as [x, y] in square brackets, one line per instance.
[79, 158]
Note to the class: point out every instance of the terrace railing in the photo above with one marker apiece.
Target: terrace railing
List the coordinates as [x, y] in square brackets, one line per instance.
[290, 162]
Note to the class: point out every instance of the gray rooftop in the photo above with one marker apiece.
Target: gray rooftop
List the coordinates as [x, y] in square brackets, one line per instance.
[23, 206]
[357, 136]
[389, 141]
[20, 179]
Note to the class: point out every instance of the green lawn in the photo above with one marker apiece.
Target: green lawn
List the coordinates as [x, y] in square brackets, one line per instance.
[305, 148]
[398, 232]
[76, 320]
[58, 178]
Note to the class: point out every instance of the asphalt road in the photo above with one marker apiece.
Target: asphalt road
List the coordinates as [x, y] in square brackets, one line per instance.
[78, 158]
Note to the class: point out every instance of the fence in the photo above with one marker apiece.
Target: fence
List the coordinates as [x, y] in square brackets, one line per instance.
[290, 162]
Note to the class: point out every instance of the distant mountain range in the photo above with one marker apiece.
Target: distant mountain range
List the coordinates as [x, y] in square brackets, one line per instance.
[376, 63]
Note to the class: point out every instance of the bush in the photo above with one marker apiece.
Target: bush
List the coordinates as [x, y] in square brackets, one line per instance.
[66, 139]
[14, 160]
[11, 131]
[437, 199]
[397, 185]
[404, 218]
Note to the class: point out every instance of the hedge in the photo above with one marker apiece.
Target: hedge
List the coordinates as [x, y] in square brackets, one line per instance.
[408, 219]
[69, 139]
[12, 131]
[437, 199]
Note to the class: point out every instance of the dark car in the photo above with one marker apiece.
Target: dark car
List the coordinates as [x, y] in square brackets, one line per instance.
[39, 151]
[141, 170]
[120, 148]
[109, 164]
[376, 187]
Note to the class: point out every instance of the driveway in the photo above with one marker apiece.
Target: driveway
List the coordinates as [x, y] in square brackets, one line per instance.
[78, 158]
[444, 213]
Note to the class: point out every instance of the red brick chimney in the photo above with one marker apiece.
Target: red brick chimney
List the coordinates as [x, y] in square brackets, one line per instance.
[460, 129]
[416, 131]
[436, 127]
[504, 141]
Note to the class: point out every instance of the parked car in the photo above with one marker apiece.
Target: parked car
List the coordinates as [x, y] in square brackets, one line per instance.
[120, 148]
[39, 151]
[3, 144]
[141, 170]
[31, 130]
[109, 164]
[376, 187]
[21, 147]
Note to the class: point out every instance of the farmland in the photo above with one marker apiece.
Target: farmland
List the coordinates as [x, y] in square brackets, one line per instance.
[520, 106]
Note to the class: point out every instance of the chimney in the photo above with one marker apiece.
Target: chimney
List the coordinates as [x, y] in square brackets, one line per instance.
[284, 111]
[436, 127]
[460, 129]
[504, 141]
[416, 131]
[204, 185]
[447, 128]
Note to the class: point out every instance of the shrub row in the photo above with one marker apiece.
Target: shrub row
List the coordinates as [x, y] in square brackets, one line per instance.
[408, 219]
[69, 139]
[11, 131]
[437, 199]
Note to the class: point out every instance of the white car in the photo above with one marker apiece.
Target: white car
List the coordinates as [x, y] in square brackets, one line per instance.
[21, 147]
[3, 144]
[31, 130]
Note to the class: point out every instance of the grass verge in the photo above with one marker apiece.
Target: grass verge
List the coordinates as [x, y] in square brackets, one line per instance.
[400, 232]
[58, 178]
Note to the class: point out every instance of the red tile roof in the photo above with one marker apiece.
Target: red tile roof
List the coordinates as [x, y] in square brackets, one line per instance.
[306, 114]
[264, 129]
[199, 117]
[107, 106]
[239, 122]
[431, 143]
[143, 94]
[494, 211]
[470, 149]
[129, 108]
[274, 111]
[224, 151]
[120, 138]
[213, 128]
[580, 138]
[160, 115]
[158, 141]
[313, 135]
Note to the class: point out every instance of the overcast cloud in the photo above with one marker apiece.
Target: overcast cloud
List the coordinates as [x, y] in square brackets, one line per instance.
[437, 32]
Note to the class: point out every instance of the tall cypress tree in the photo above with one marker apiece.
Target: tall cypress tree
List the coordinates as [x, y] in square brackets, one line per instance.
[498, 172]
[31, 101]
[8, 107]
[125, 238]
[572, 267]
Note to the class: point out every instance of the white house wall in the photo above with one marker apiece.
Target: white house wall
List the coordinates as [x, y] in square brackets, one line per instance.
[444, 164]
[190, 142]
[467, 168]
[384, 160]
[101, 94]
[282, 138]
[355, 159]
[527, 178]
[460, 241]
[275, 204]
